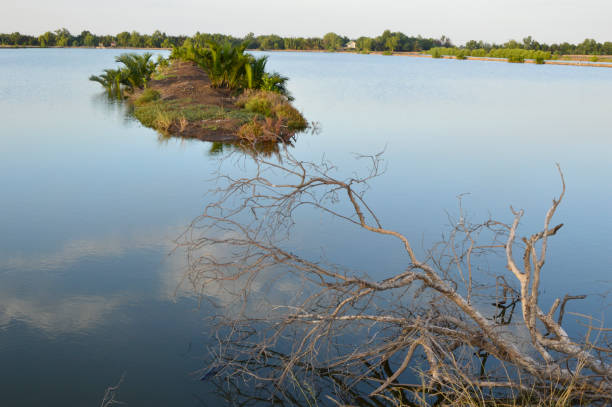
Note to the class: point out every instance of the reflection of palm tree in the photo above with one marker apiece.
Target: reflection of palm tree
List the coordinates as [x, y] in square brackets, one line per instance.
[265, 149]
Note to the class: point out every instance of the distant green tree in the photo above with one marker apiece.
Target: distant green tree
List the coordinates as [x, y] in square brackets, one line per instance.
[89, 40]
[15, 38]
[364, 43]
[445, 41]
[156, 39]
[332, 41]
[123, 39]
[271, 42]
[588, 46]
[512, 44]
[63, 37]
[472, 44]
[47, 39]
[392, 42]
[135, 39]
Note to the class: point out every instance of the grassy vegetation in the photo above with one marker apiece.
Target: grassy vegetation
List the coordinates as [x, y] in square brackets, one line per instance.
[258, 116]
[155, 113]
[462, 54]
[516, 59]
[514, 55]
[149, 95]
[279, 116]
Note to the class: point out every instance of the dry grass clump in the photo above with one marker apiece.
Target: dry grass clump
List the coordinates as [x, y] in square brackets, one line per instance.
[182, 123]
[163, 120]
[251, 131]
[278, 118]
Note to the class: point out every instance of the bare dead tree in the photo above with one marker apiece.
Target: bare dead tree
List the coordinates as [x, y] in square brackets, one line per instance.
[427, 330]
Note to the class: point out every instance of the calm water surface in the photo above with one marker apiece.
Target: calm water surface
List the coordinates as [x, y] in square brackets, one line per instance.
[90, 201]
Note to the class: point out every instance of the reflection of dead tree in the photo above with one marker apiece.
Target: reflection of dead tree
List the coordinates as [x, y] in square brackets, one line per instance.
[111, 392]
[432, 317]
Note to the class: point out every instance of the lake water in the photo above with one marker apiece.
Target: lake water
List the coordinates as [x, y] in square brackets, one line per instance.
[91, 201]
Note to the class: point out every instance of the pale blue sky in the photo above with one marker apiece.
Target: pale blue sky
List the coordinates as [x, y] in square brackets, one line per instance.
[461, 20]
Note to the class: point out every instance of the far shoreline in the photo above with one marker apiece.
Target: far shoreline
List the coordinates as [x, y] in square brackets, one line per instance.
[572, 62]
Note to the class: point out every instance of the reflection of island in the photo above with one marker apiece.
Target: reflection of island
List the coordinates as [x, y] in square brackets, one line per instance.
[262, 149]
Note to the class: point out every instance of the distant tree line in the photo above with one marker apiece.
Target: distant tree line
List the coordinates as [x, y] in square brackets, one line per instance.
[388, 41]
[586, 47]
[63, 38]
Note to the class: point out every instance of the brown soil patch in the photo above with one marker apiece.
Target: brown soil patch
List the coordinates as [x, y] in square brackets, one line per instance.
[187, 81]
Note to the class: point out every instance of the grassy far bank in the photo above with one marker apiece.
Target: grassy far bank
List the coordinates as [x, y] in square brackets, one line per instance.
[512, 55]
[214, 93]
[516, 55]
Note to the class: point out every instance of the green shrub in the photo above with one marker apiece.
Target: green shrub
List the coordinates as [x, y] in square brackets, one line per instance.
[259, 104]
[436, 52]
[387, 53]
[594, 58]
[292, 117]
[516, 59]
[148, 95]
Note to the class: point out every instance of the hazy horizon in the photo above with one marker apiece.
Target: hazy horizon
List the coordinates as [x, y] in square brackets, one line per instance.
[462, 20]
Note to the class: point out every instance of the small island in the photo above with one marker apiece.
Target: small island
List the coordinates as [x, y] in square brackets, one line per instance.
[213, 92]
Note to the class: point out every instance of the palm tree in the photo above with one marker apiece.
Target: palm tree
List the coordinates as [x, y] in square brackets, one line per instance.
[111, 80]
[136, 73]
[276, 82]
[255, 72]
[227, 64]
[138, 69]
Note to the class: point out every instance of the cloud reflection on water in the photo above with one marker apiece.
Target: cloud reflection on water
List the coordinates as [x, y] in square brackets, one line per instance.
[53, 291]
